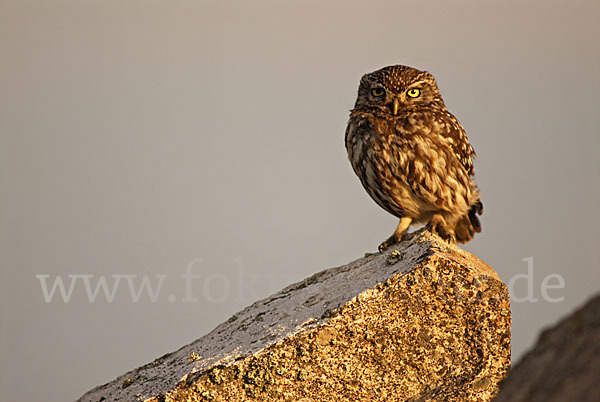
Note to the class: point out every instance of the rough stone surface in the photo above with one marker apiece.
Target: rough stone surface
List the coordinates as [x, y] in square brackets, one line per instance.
[564, 365]
[424, 322]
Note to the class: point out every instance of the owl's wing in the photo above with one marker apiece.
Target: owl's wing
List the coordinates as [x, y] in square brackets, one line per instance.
[459, 142]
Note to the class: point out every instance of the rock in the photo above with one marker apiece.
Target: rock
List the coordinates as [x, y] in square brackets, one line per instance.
[425, 322]
[564, 365]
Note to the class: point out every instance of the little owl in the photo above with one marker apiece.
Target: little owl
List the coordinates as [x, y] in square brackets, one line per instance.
[412, 155]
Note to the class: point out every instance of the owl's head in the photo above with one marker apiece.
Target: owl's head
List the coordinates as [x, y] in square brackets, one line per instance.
[398, 88]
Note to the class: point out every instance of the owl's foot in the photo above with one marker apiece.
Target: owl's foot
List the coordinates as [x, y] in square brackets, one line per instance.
[392, 240]
[398, 234]
[438, 226]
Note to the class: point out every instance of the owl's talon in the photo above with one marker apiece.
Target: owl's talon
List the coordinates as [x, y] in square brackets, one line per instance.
[438, 226]
[383, 246]
[448, 237]
[398, 235]
[392, 240]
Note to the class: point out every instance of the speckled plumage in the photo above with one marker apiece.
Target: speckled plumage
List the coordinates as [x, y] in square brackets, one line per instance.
[412, 155]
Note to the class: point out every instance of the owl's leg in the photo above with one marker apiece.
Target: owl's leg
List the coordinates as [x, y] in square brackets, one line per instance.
[439, 226]
[398, 234]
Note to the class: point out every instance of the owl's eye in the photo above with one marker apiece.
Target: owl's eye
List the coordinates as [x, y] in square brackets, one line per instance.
[413, 93]
[377, 92]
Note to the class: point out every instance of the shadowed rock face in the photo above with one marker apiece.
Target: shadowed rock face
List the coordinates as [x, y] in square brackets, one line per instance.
[564, 365]
[424, 322]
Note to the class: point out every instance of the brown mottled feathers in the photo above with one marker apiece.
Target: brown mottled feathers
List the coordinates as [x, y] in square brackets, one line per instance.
[412, 155]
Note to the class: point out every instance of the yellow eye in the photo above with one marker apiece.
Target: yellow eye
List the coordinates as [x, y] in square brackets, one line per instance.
[377, 92]
[413, 92]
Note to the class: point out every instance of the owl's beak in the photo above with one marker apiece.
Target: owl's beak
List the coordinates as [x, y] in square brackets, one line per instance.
[396, 106]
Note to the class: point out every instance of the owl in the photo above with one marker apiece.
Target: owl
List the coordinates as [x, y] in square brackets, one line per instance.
[412, 155]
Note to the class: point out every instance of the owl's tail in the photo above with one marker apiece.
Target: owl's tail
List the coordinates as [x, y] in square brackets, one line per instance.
[468, 225]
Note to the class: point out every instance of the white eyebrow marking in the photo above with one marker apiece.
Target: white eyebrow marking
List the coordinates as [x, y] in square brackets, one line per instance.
[417, 83]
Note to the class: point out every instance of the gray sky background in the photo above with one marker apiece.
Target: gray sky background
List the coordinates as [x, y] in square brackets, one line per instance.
[137, 137]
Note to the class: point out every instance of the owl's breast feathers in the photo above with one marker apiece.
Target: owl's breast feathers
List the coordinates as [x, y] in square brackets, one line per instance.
[413, 164]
